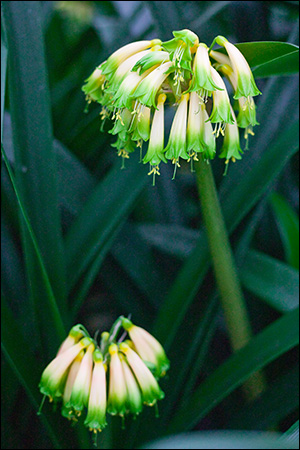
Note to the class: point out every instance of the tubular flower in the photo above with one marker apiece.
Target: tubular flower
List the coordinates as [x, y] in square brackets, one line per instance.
[117, 396]
[221, 112]
[124, 53]
[176, 147]
[67, 411]
[231, 149]
[141, 124]
[81, 387]
[148, 88]
[134, 401]
[200, 137]
[94, 86]
[246, 86]
[202, 81]
[141, 74]
[155, 153]
[151, 391]
[79, 375]
[123, 70]
[54, 374]
[76, 333]
[96, 416]
[148, 348]
[150, 61]
[123, 96]
[247, 109]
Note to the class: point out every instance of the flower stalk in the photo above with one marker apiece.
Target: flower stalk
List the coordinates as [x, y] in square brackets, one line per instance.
[231, 294]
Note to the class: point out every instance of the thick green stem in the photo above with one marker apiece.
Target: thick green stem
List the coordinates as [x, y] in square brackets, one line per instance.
[231, 294]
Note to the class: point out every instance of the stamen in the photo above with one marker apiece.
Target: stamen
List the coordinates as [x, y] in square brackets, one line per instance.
[192, 157]
[154, 170]
[104, 113]
[203, 96]
[176, 162]
[124, 154]
[118, 117]
[226, 167]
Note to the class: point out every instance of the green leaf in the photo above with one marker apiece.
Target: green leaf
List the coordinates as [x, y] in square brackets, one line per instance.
[103, 213]
[75, 182]
[274, 405]
[222, 439]
[283, 66]
[271, 280]
[3, 71]
[26, 367]
[292, 434]
[272, 342]
[49, 304]
[288, 225]
[13, 283]
[35, 166]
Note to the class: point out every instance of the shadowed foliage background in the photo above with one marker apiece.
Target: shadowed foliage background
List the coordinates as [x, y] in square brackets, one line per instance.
[103, 242]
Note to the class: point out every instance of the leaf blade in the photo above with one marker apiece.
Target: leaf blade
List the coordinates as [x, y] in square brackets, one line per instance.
[288, 225]
[271, 280]
[33, 139]
[272, 342]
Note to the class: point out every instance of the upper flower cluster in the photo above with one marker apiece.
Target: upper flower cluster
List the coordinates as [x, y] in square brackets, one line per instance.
[138, 80]
[117, 377]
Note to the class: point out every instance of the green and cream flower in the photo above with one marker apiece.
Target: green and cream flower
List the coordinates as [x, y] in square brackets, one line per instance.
[231, 149]
[200, 137]
[147, 90]
[81, 387]
[246, 86]
[221, 112]
[54, 376]
[150, 389]
[202, 81]
[96, 416]
[125, 52]
[148, 348]
[155, 152]
[134, 402]
[176, 147]
[117, 395]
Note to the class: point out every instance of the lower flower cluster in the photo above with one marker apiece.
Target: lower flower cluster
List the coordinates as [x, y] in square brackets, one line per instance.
[136, 82]
[115, 377]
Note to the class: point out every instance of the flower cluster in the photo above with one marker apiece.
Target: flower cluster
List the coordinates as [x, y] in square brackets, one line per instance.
[115, 377]
[138, 80]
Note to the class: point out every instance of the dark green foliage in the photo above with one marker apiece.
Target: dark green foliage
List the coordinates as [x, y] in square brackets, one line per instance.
[85, 241]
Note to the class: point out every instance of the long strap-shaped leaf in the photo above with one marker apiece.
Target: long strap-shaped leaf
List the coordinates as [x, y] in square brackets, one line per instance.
[110, 203]
[54, 317]
[272, 280]
[35, 165]
[275, 340]
[27, 369]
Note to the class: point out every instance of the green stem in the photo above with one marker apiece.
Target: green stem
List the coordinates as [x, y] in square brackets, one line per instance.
[231, 294]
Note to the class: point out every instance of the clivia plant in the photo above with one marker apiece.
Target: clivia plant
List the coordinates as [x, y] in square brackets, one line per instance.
[82, 236]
